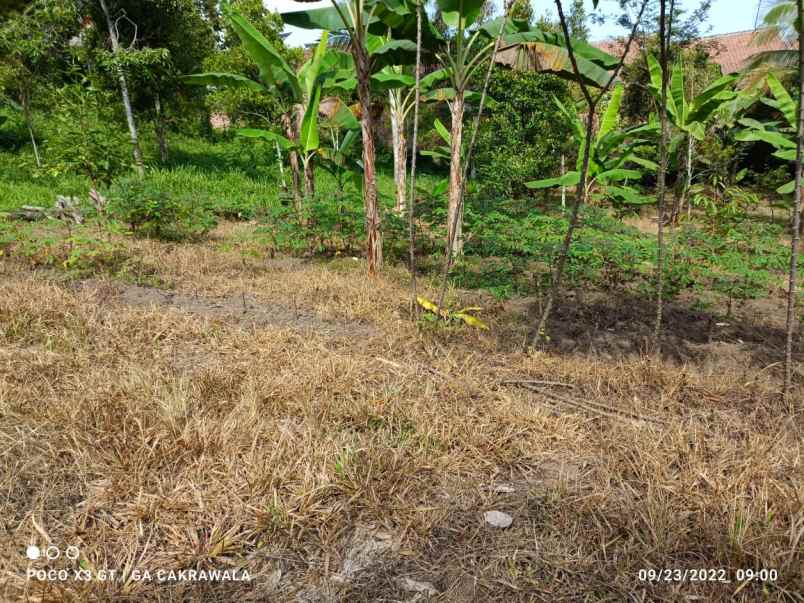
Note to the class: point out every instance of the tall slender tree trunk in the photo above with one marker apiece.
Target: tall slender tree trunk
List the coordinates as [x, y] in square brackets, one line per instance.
[402, 170]
[454, 207]
[581, 192]
[580, 198]
[293, 160]
[161, 135]
[281, 165]
[792, 321]
[400, 152]
[413, 151]
[132, 126]
[662, 175]
[25, 101]
[370, 205]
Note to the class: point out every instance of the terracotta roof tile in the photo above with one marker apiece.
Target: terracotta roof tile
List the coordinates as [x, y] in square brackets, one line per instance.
[730, 51]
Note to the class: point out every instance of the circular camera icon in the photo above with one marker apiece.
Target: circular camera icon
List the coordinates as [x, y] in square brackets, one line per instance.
[52, 553]
[72, 553]
[33, 553]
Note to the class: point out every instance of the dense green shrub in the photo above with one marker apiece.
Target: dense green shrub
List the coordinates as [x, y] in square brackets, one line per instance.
[150, 211]
[85, 136]
[13, 135]
[524, 134]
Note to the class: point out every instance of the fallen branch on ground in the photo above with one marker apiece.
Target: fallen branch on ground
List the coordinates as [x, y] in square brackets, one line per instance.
[593, 407]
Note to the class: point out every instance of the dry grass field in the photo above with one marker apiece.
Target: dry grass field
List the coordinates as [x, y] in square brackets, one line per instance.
[286, 418]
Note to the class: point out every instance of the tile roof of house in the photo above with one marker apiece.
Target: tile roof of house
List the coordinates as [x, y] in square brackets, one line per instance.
[730, 51]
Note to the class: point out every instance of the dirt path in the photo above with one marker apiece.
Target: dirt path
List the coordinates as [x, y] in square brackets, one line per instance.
[246, 310]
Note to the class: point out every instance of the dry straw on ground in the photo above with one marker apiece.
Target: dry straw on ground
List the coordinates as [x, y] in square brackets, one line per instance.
[312, 435]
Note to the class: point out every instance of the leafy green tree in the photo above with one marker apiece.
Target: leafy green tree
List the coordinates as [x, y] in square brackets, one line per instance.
[83, 138]
[33, 51]
[577, 21]
[110, 13]
[157, 40]
[523, 134]
[521, 10]
[241, 105]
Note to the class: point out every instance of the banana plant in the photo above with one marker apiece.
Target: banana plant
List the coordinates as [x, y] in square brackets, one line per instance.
[400, 104]
[365, 22]
[689, 115]
[613, 161]
[781, 137]
[471, 45]
[300, 90]
[306, 142]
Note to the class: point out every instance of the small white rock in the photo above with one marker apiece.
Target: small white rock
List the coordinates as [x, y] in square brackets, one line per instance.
[504, 489]
[414, 586]
[498, 519]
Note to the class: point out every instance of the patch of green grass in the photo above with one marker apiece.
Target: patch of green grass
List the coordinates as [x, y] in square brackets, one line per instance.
[19, 186]
[509, 248]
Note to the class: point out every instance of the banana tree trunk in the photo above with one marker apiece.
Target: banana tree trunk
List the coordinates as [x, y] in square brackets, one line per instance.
[373, 233]
[308, 167]
[400, 154]
[454, 208]
[161, 136]
[688, 177]
[309, 180]
[132, 126]
[293, 160]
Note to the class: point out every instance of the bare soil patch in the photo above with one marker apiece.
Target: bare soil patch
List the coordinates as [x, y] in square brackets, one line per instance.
[245, 310]
[620, 325]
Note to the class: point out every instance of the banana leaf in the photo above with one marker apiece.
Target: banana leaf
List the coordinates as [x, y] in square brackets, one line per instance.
[786, 154]
[712, 98]
[274, 70]
[618, 175]
[785, 102]
[442, 131]
[581, 49]
[554, 58]
[284, 143]
[222, 80]
[629, 196]
[612, 114]
[569, 179]
[773, 138]
[787, 188]
[452, 11]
